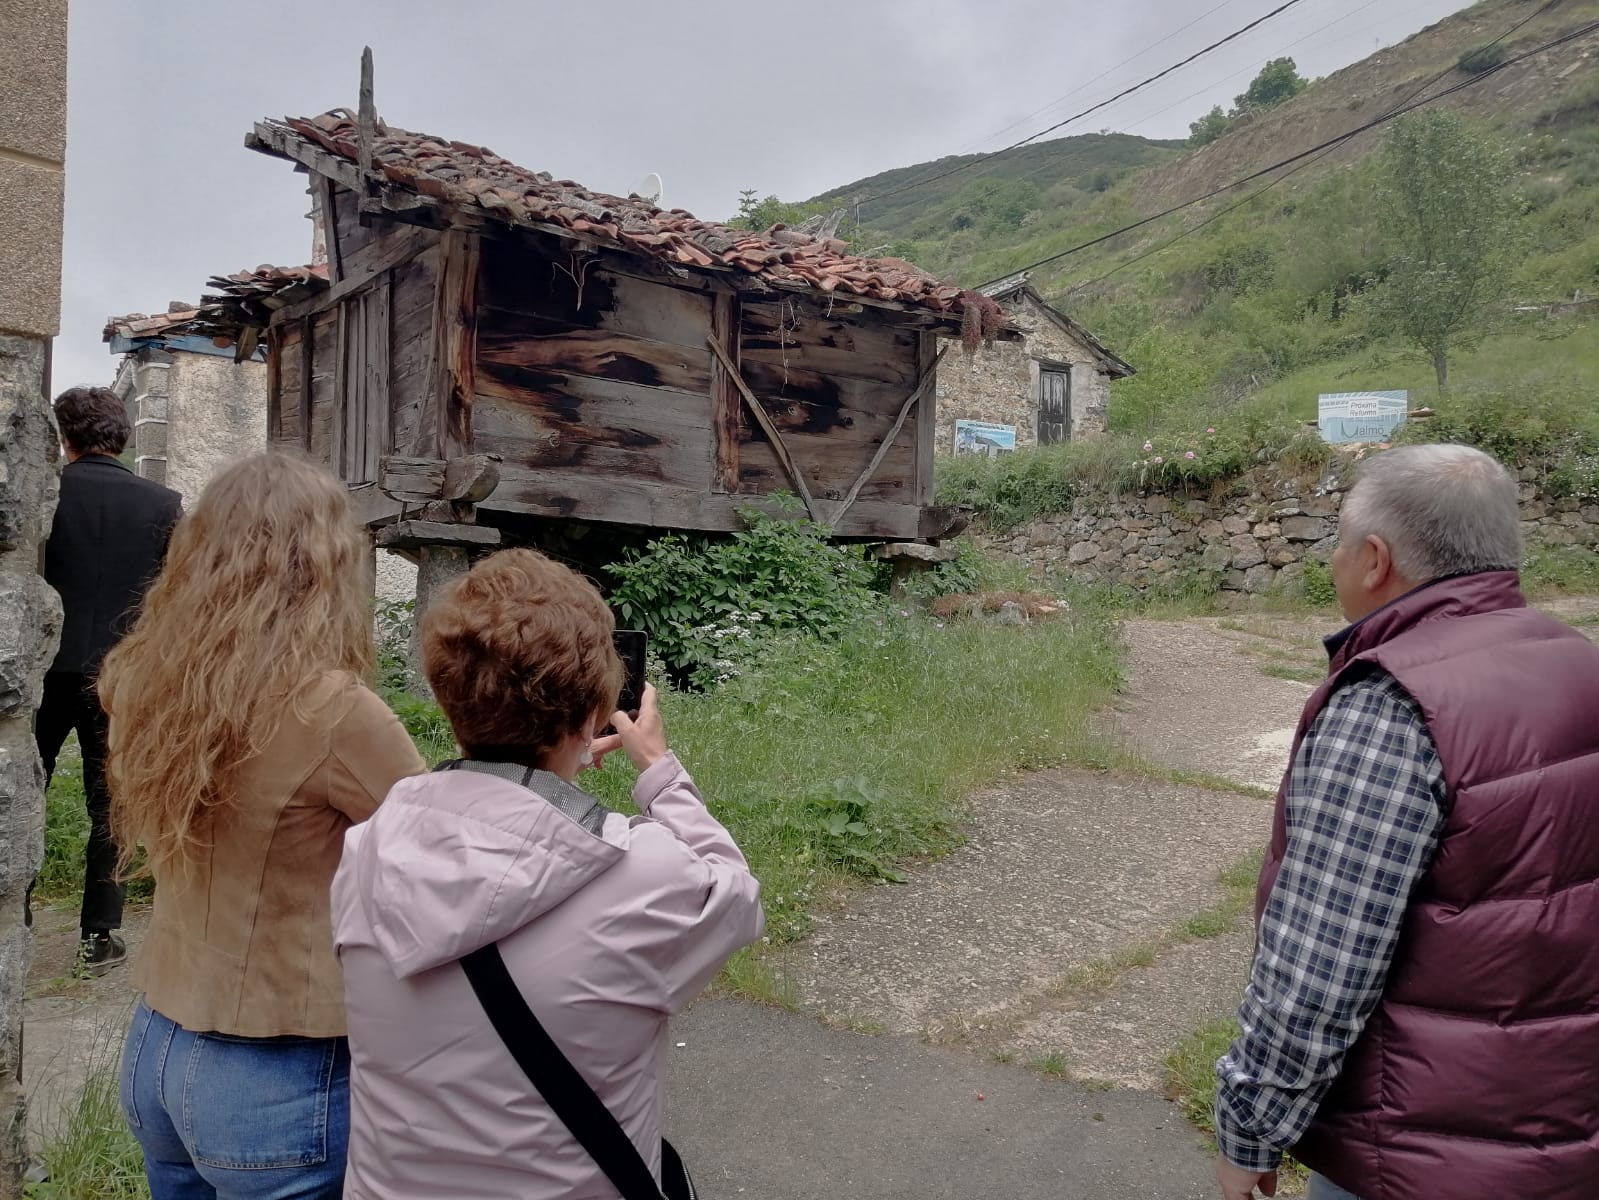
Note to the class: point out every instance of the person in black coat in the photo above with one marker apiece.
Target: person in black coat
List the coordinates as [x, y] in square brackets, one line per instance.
[105, 548]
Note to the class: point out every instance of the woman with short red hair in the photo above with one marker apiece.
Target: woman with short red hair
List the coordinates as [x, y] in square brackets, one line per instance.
[605, 924]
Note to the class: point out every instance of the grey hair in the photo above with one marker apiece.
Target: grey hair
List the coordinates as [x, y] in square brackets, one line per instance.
[1443, 510]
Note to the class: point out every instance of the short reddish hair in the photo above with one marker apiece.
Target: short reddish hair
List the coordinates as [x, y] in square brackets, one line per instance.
[519, 654]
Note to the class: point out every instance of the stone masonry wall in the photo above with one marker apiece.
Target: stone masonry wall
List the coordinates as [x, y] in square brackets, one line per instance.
[1250, 543]
[33, 151]
[191, 414]
[1000, 383]
[30, 628]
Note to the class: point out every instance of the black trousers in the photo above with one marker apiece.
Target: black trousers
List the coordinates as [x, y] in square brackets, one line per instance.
[70, 703]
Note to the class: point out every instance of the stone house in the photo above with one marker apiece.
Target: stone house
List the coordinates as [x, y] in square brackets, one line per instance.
[192, 406]
[1051, 386]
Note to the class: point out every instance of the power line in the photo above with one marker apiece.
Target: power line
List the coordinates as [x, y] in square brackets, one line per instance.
[1083, 87]
[1392, 115]
[1143, 120]
[1255, 195]
[1137, 87]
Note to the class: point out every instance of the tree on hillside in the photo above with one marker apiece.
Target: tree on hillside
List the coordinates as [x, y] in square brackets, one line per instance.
[1209, 127]
[1450, 219]
[1278, 80]
[755, 213]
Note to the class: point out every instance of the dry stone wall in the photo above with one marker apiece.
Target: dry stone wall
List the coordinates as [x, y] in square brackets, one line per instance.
[30, 627]
[1254, 541]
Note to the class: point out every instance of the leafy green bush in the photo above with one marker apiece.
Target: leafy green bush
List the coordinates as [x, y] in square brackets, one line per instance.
[1319, 589]
[1484, 59]
[1553, 429]
[700, 597]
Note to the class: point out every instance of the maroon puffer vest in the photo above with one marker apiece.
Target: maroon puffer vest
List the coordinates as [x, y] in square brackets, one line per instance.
[1477, 1077]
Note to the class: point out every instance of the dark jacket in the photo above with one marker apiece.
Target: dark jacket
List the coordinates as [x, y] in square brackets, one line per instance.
[106, 546]
[1477, 1076]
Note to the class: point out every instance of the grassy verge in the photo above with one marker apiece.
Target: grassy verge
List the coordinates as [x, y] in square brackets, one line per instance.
[90, 1154]
[842, 762]
[1190, 1082]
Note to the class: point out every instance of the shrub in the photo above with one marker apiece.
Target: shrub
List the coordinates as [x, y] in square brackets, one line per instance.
[1319, 589]
[1484, 59]
[698, 596]
[1553, 429]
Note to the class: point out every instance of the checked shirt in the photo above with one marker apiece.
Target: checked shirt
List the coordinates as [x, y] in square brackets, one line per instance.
[1365, 808]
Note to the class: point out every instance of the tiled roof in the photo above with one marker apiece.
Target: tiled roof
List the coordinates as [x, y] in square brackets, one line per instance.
[267, 281]
[232, 303]
[471, 176]
[178, 318]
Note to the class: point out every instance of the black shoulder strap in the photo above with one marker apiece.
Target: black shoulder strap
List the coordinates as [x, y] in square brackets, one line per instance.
[582, 1112]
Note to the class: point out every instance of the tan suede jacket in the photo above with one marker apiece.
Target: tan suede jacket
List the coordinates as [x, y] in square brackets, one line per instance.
[244, 944]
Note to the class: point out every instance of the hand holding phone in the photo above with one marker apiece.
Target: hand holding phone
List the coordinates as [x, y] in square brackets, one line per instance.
[644, 739]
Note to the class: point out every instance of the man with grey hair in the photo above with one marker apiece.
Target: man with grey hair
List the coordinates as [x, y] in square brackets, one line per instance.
[1422, 1016]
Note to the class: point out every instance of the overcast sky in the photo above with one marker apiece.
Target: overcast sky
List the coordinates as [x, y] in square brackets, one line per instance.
[715, 96]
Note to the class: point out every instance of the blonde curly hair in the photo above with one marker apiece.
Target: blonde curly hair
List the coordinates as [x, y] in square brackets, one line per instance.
[264, 591]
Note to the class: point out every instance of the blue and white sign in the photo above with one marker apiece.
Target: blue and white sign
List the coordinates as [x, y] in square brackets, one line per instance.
[1346, 417]
[984, 437]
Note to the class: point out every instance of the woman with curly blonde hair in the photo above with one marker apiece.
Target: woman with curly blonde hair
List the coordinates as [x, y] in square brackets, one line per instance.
[244, 742]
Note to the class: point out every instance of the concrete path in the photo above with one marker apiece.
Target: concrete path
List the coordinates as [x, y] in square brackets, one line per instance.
[1201, 698]
[1069, 876]
[778, 1107]
[1063, 869]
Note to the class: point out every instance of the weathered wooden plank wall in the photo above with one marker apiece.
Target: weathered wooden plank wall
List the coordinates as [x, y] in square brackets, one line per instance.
[586, 376]
[833, 388]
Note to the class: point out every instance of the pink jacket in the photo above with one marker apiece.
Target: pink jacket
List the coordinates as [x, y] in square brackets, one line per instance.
[605, 937]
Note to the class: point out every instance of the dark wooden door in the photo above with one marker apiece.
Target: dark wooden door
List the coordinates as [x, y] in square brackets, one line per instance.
[1054, 406]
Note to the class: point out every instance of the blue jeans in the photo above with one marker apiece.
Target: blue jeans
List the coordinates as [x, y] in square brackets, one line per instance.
[1322, 1188]
[232, 1118]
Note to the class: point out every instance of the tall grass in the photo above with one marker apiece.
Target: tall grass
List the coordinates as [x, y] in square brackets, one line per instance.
[829, 762]
[90, 1154]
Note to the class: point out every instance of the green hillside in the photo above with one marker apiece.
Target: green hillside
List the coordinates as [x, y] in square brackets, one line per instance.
[1254, 311]
[1044, 176]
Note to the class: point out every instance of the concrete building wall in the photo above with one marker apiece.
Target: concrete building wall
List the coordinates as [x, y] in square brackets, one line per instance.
[194, 413]
[33, 134]
[191, 414]
[1000, 383]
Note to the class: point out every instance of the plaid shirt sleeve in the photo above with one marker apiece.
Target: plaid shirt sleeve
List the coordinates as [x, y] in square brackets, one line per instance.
[1366, 806]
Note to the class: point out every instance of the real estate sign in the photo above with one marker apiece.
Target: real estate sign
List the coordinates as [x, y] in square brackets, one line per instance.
[1361, 416]
[984, 437]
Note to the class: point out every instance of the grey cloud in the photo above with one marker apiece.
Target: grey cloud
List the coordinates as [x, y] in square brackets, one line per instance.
[714, 95]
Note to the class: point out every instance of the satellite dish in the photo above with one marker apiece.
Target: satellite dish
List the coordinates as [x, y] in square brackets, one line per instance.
[650, 189]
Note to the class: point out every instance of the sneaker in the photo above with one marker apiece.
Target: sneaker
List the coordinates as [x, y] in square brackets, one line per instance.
[101, 952]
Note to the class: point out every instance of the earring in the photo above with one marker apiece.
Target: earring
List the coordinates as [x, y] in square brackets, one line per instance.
[586, 758]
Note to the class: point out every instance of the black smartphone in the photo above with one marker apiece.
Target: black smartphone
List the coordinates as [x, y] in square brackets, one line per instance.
[631, 644]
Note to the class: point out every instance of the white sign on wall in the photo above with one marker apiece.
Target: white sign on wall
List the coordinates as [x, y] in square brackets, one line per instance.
[1345, 417]
[984, 437]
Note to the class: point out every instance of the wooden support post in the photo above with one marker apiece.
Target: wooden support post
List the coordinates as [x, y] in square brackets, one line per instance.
[274, 365]
[727, 408]
[366, 136]
[928, 358]
[453, 363]
[307, 337]
[330, 228]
